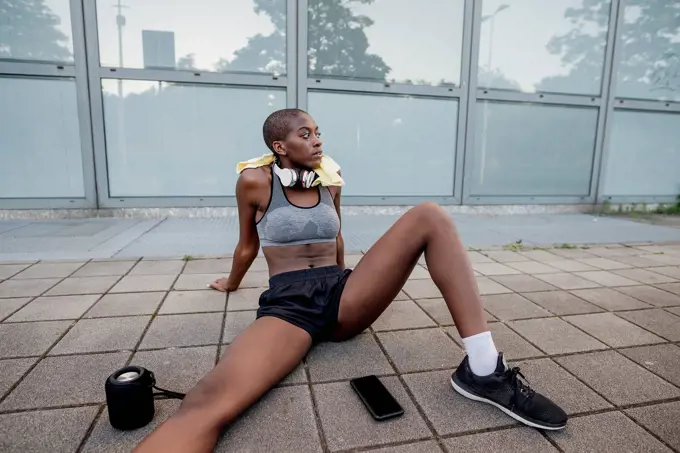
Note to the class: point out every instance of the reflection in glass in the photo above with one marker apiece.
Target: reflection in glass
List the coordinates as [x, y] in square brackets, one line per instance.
[204, 35]
[649, 66]
[644, 155]
[40, 154]
[532, 150]
[386, 40]
[536, 45]
[167, 139]
[36, 30]
[408, 149]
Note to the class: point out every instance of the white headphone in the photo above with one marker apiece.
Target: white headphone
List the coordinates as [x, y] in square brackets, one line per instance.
[290, 177]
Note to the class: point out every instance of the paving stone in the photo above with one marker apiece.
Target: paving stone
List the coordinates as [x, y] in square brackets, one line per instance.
[662, 359]
[106, 439]
[611, 432]
[443, 406]
[604, 263]
[428, 446]
[571, 266]
[567, 281]
[50, 270]
[421, 289]
[83, 285]
[637, 261]
[403, 314]
[9, 270]
[44, 386]
[254, 279]
[347, 424]
[487, 287]
[53, 308]
[613, 250]
[9, 306]
[173, 267]
[102, 334]
[490, 269]
[439, 311]
[523, 283]
[561, 302]
[245, 299]
[645, 276]
[512, 345]
[516, 440]
[357, 357]
[541, 255]
[350, 261]
[572, 254]
[548, 378]
[402, 296]
[183, 330]
[11, 371]
[476, 257]
[177, 369]
[506, 256]
[193, 301]
[29, 338]
[651, 295]
[26, 288]
[424, 349]
[554, 336]
[100, 269]
[209, 266]
[612, 330]
[668, 260]
[674, 310]
[126, 304]
[195, 281]
[661, 419]
[609, 299]
[533, 267]
[512, 306]
[669, 271]
[236, 322]
[660, 322]
[606, 278]
[59, 430]
[419, 272]
[618, 379]
[140, 283]
[670, 287]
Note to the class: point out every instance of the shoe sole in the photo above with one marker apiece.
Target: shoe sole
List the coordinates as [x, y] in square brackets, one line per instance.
[471, 396]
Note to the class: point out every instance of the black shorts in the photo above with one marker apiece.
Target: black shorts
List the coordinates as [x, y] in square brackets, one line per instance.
[307, 298]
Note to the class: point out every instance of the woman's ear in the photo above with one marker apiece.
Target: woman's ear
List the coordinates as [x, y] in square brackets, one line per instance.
[279, 148]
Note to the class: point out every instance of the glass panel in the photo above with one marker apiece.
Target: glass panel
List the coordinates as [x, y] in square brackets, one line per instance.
[382, 154]
[532, 150]
[537, 45]
[36, 31]
[649, 66]
[387, 40]
[205, 35]
[40, 154]
[644, 154]
[168, 139]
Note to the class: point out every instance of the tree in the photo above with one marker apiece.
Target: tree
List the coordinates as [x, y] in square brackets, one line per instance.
[337, 43]
[28, 31]
[650, 40]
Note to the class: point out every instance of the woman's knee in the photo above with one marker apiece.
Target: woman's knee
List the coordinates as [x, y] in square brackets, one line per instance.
[429, 210]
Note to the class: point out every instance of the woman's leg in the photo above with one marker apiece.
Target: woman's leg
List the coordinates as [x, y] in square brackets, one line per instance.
[381, 274]
[428, 229]
[262, 355]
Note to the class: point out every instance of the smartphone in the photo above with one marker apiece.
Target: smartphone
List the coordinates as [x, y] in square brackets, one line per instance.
[377, 399]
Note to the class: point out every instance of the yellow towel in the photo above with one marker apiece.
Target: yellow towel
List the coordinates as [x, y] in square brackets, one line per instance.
[327, 171]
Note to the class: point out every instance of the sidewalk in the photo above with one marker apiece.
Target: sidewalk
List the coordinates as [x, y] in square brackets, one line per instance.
[597, 330]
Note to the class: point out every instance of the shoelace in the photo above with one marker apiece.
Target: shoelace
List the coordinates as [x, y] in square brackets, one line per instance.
[521, 384]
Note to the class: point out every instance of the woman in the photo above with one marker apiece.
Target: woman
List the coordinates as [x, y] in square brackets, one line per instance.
[313, 298]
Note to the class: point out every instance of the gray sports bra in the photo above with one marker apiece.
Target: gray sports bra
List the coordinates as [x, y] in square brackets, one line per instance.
[284, 223]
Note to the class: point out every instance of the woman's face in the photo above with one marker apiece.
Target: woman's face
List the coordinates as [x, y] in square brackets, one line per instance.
[302, 145]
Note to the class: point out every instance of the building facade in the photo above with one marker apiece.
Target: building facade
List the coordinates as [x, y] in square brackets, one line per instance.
[150, 103]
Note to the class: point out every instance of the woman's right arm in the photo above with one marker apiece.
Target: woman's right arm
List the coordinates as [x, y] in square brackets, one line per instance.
[247, 190]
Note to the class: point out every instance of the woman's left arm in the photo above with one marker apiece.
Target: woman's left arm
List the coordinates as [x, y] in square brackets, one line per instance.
[339, 241]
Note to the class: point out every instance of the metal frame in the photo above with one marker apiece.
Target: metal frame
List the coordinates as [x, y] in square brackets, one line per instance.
[77, 72]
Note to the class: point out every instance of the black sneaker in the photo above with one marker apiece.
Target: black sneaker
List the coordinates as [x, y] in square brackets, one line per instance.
[504, 389]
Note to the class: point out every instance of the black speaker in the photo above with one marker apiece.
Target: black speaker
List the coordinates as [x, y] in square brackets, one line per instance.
[130, 397]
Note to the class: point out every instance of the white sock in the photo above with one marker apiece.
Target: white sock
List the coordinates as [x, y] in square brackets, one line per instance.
[482, 353]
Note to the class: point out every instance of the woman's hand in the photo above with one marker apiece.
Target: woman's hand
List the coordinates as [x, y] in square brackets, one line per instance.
[223, 285]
